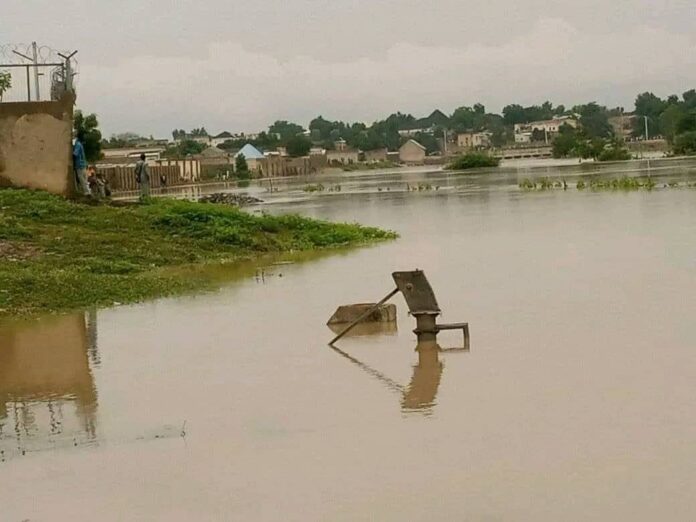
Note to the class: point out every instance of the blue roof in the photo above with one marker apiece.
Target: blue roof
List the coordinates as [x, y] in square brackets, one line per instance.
[250, 152]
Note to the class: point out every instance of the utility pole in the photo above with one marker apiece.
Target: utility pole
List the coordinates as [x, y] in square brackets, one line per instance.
[36, 71]
[646, 127]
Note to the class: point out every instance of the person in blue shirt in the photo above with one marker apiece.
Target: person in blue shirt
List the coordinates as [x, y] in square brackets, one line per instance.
[80, 164]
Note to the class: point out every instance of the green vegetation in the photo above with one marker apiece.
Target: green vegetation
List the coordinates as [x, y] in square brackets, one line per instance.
[298, 146]
[321, 188]
[685, 143]
[579, 143]
[241, 168]
[614, 150]
[184, 148]
[672, 118]
[419, 187]
[314, 188]
[623, 183]
[60, 255]
[473, 160]
[5, 82]
[88, 126]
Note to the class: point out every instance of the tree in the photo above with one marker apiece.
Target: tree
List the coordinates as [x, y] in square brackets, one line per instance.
[87, 127]
[689, 98]
[669, 120]
[285, 130]
[430, 142]
[184, 148]
[685, 143]
[298, 146]
[650, 106]
[515, 113]
[594, 119]
[241, 167]
[5, 82]
[368, 140]
[566, 143]
[687, 122]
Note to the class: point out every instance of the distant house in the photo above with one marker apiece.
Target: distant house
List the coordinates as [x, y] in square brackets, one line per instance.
[412, 153]
[342, 154]
[221, 138]
[132, 154]
[408, 133]
[474, 140]
[253, 156]
[203, 140]
[550, 128]
[213, 156]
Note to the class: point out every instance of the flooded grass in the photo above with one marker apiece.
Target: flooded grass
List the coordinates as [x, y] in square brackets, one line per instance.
[625, 183]
[60, 255]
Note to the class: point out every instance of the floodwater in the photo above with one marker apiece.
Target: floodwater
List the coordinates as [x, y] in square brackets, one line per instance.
[575, 401]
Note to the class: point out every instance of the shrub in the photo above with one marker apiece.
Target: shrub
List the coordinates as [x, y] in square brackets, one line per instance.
[473, 160]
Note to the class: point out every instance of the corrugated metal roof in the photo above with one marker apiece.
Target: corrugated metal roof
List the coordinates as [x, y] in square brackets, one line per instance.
[250, 152]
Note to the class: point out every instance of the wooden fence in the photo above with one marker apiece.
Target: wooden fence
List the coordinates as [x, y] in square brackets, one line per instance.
[122, 178]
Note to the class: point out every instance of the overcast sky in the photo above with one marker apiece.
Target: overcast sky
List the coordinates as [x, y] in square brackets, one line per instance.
[152, 65]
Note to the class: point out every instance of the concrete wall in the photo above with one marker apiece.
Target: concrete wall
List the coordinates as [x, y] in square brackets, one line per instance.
[36, 147]
[412, 153]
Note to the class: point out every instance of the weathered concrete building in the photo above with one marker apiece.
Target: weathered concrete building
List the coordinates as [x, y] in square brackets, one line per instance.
[473, 140]
[36, 146]
[412, 153]
[375, 156]
[342, 154]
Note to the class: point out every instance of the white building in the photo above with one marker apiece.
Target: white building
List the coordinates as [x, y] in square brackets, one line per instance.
[474, 140]
[220, 138]
[523, 131]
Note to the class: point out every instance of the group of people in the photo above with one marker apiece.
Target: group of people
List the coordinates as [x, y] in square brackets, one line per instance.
[89, 182]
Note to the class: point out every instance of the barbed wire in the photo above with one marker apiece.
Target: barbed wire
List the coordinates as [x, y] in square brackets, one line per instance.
[44, 54]
[36, 80]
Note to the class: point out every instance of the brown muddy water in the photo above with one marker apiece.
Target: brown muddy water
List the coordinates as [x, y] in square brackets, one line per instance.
[575, 401]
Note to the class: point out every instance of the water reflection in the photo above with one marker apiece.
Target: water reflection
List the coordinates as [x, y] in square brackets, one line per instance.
[47, 391]
[365, 329]
[421, 393]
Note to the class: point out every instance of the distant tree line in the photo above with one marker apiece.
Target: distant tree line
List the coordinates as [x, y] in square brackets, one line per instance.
[674, 118]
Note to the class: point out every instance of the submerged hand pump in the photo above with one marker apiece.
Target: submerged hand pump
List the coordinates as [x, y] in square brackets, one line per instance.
[421, 303]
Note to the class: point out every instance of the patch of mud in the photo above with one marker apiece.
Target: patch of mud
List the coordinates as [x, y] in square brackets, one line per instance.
[10, 251]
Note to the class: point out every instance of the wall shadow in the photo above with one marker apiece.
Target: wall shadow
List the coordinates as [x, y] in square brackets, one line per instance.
[47, 390]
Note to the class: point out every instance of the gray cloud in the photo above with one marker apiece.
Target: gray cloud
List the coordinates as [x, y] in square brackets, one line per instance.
[151, 66]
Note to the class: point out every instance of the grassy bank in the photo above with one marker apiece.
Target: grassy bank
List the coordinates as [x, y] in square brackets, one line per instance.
[58, 255]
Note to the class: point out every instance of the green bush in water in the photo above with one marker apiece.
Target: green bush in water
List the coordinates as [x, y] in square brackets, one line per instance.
[473, 160]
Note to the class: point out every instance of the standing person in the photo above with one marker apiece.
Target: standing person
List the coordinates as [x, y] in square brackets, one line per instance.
[80, 164]
[142, 176]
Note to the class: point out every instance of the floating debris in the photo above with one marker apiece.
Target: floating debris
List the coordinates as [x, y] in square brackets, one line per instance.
[227, 198]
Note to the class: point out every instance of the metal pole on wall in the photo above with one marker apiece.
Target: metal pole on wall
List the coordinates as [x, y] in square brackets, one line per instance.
[36, 71]
[28, 85]
[68, 70]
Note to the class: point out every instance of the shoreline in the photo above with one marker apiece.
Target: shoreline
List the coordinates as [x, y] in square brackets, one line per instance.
[58, 256]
